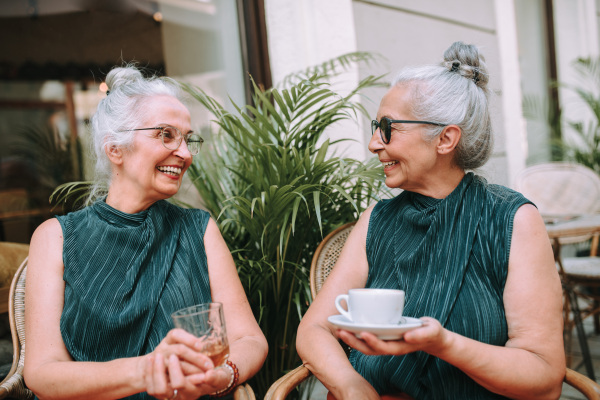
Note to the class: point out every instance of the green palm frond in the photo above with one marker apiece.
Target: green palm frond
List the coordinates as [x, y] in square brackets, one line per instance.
[333, 67]
[71, 195]
[276, 188]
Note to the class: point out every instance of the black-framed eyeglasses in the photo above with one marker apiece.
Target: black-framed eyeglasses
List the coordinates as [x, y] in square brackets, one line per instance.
[171, 138]
[385, 126]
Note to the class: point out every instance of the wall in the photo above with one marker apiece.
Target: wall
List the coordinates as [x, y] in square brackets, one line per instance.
[407, 32]
[306, 33]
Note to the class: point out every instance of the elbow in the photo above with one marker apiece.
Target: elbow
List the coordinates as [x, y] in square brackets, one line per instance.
[33, 384]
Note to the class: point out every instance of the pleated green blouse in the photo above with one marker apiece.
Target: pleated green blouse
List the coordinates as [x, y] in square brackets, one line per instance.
[450, 256]
[125, 274]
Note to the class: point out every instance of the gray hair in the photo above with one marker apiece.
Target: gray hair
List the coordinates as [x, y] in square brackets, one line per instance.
[120, 110]
[454, 92]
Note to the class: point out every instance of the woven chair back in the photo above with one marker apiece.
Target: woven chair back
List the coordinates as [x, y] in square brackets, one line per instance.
[13, 385]
[326, 255]
[561, 190]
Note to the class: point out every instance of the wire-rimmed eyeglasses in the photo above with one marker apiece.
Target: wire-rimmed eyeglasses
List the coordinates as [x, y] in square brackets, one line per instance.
[172, 137]
[385, 126]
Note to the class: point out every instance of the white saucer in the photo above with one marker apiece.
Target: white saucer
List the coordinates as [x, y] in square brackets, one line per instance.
[383, 332]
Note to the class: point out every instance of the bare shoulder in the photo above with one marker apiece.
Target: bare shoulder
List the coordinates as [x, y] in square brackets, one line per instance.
[46, 246]
[362, 225]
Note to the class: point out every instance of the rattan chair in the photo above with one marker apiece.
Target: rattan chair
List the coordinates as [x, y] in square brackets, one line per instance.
[562, 191]
[13, 386]
[323, 262]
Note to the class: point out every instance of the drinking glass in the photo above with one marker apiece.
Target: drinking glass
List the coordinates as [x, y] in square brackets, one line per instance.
[206, 322]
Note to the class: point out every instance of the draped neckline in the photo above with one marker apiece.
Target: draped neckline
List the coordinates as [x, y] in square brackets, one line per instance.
[119, 218]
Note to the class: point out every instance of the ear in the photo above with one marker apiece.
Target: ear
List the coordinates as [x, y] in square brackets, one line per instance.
[448, 139]
[114, 154]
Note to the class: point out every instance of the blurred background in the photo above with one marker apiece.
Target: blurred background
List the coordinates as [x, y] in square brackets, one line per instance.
[54, 56]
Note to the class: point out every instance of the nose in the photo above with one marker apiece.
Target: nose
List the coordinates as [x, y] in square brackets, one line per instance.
[375, 144]
[183, 152]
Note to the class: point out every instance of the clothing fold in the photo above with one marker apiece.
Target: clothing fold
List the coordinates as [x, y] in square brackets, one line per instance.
[445, 256]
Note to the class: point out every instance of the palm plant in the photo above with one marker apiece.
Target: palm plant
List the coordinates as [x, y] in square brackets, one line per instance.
[274, 190]
[275, 187]
[55, 160]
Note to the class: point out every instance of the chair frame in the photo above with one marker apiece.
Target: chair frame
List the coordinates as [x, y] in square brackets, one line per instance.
[13, 386]
[281, 388]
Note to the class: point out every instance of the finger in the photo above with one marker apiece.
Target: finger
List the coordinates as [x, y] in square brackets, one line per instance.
[214, 379]
[191, 355]
[148, 374]
[159, 375]
[351, 340]
[177, 335]
[176, 377]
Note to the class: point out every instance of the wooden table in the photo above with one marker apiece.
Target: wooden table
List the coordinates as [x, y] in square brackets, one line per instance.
[559, 229]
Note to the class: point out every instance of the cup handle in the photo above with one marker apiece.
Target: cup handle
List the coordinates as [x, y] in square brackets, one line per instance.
[339, 307]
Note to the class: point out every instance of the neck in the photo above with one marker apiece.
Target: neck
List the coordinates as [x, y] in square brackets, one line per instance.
[125, 200]
[441, 185]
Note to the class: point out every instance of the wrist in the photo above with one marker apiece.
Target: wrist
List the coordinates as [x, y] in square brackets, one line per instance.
[446, 345]
[233, 382]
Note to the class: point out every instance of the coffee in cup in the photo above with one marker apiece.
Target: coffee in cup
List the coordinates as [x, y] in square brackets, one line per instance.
[372, 306]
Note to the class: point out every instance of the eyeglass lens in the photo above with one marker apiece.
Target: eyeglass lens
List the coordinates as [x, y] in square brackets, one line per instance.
[385, 129]
[172, 137]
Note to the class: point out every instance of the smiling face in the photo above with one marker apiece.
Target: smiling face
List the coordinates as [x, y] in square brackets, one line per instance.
[148, 172]
[409, 161]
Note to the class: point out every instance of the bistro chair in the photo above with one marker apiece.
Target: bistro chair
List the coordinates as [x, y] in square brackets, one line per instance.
[13, 386]
[323, 262]
[564, 192]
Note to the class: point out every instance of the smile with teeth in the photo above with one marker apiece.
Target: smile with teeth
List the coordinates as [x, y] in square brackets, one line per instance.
[389, 163]
[174, 171]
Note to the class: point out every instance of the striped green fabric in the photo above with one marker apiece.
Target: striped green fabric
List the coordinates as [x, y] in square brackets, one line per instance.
[450, 256]
[125, 274]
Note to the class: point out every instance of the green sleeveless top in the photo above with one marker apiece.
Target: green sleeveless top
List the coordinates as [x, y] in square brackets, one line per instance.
[450, 256]
[125, 274]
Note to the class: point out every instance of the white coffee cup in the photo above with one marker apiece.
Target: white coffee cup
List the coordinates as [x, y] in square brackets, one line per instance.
[372, 306]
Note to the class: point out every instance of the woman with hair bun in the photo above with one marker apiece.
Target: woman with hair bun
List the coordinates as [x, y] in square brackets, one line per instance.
[102, 282]
[473, 258]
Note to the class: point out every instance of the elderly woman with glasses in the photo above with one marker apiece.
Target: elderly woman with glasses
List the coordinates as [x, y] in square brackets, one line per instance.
[102, 282]
[473, 259]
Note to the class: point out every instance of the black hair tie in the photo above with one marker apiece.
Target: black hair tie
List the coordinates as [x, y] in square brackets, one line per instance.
[455, 66]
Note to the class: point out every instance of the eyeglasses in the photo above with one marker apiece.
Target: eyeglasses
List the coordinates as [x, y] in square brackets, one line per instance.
[385, 126]
[171, 138]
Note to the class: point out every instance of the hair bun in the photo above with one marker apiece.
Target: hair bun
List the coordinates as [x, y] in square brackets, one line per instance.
[465, 60]
[121, 76]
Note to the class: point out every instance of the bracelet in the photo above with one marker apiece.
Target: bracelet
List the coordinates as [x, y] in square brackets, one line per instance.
[235, 376]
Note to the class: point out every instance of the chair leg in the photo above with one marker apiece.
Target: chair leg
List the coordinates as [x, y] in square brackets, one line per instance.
[585, 350]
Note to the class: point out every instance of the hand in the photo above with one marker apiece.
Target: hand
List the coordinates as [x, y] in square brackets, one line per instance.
[163, 380]
[431, 338]
[177, 364]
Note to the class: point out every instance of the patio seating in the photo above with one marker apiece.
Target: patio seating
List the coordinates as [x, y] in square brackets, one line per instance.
[13, 386]
[323, 262]
[563, 191]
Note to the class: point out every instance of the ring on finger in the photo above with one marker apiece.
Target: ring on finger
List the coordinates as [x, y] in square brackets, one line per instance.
[172, 397]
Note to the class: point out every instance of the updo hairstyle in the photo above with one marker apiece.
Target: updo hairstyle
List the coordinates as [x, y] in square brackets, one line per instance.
[454, 92]
[120, 110]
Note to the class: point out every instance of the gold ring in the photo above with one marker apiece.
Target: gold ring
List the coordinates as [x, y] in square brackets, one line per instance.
[172, 397]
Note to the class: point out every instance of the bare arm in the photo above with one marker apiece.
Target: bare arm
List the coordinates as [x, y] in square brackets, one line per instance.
[531, 365]
[316, 342]
[248, 346]
[50, 371]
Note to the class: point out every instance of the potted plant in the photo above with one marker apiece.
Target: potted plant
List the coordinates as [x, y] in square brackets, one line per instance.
[275, 192]
[275, 187]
